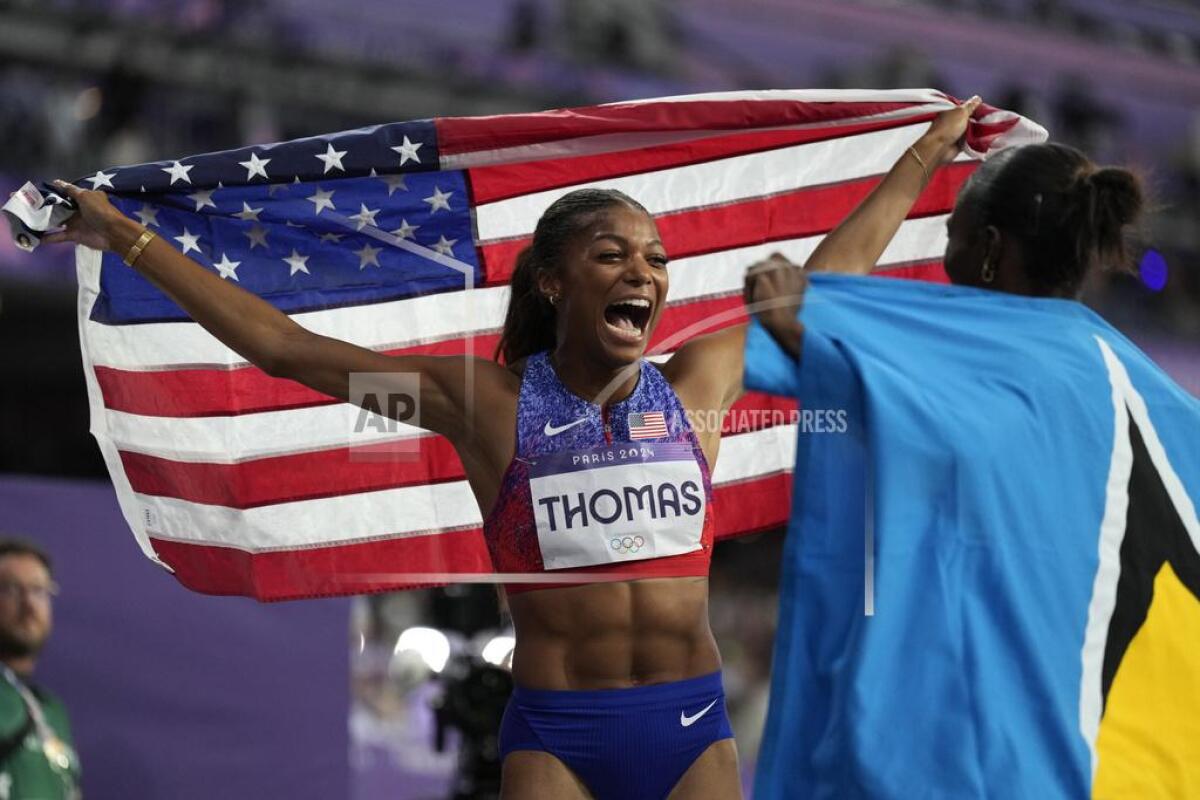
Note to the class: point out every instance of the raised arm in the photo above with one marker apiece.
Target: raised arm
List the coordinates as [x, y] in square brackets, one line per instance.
[265, 336]
[856, 244]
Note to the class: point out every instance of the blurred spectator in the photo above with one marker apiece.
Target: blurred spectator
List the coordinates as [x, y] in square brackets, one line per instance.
[37, 755]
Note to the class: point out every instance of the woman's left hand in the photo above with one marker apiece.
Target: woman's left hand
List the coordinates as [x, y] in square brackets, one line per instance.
[945, 136]
[774, 293]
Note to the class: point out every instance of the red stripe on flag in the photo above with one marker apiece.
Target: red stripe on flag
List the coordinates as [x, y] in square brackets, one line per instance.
[323, 571]
[743, 508]
[932, 271]
[805, 212]
[241, 390]
[489, 184]
[473, 134]
[752, 505]
[296, 476]
[334, 472]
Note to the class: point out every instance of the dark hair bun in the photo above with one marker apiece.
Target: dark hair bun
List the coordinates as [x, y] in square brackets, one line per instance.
[1117, 204]
[1119, 194]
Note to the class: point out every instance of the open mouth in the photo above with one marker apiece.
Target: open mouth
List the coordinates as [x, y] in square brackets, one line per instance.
[628, 318]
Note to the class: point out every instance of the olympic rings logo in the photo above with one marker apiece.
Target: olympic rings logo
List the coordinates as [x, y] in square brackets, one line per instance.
[627, 544]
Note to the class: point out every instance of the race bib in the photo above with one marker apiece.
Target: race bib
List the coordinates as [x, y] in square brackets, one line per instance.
[621, 502]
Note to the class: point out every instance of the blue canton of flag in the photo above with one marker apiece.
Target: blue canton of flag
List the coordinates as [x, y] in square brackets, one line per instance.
[304, 225]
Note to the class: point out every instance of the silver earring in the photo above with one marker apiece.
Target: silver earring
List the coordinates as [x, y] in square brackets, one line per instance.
[988, 273]
[553, 298]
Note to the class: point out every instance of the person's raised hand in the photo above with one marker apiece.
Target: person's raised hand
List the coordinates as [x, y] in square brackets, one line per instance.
[948, 130]
[94, 225]
[774, 291]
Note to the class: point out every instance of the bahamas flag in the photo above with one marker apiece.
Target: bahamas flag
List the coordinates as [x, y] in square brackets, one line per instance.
[991, 585]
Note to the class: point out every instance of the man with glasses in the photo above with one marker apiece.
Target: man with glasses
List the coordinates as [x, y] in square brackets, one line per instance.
[37, 759]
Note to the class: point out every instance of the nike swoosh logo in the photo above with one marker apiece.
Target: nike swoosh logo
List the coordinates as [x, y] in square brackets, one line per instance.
[686, 721]
[555, 430]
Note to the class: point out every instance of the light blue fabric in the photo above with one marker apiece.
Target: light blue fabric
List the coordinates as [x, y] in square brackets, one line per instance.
[983, 424]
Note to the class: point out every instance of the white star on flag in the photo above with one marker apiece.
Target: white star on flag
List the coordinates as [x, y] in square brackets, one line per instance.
[147, 216]
[202, 198]
[102, 178]
[190, 241]
[438, 199]
[322, 200]
[364, 217]
[247, 212]
[227, 268]
[393, 182]
[405, 231]
[331, 237]
[445, 246]
[178, 172]
[408, 150]
[256, 166]
[368, 255]
[297, 263]
[332, 159]
[257, 235]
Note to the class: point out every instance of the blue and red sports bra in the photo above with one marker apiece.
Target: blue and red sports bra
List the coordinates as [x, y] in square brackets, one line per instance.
[618, 492]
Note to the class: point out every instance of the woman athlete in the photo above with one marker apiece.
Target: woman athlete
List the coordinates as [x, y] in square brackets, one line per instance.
[999, 625]
[618, 689]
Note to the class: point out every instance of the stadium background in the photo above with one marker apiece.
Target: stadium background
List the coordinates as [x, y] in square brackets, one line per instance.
[86, 84]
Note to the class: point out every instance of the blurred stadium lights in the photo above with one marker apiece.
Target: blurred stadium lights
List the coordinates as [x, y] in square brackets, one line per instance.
[1153, 270]
[498, 650]
[429, 643]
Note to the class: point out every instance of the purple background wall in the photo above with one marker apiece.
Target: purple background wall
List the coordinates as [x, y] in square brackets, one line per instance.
[174, 694]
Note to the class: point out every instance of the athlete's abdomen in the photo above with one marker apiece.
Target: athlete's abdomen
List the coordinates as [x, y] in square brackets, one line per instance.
[613, 635]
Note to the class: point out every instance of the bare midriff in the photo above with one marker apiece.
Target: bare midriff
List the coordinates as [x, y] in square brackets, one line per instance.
[613, 635]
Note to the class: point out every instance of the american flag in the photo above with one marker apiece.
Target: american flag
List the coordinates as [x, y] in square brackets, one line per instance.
[649, 425]
[244, 484]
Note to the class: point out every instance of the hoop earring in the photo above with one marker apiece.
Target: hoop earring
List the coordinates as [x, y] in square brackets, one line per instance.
[988, 273]
[553, 298]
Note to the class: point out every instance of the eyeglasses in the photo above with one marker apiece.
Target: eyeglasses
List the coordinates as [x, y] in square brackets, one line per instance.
[10, 590]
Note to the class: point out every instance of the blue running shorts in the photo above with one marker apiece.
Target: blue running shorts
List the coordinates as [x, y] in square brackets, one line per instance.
[624, 744]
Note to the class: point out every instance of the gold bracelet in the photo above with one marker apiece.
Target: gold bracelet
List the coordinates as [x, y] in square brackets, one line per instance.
[139, 246]
[924, 168]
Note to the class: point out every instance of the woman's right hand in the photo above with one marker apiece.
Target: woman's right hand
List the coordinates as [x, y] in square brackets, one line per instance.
[97, 224]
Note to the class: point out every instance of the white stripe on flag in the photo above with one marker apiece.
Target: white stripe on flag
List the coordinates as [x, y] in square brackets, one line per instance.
[412, 510]
[383, 326]
[720, 181]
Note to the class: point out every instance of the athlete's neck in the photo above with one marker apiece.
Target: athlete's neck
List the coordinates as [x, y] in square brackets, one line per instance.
[585, 378]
